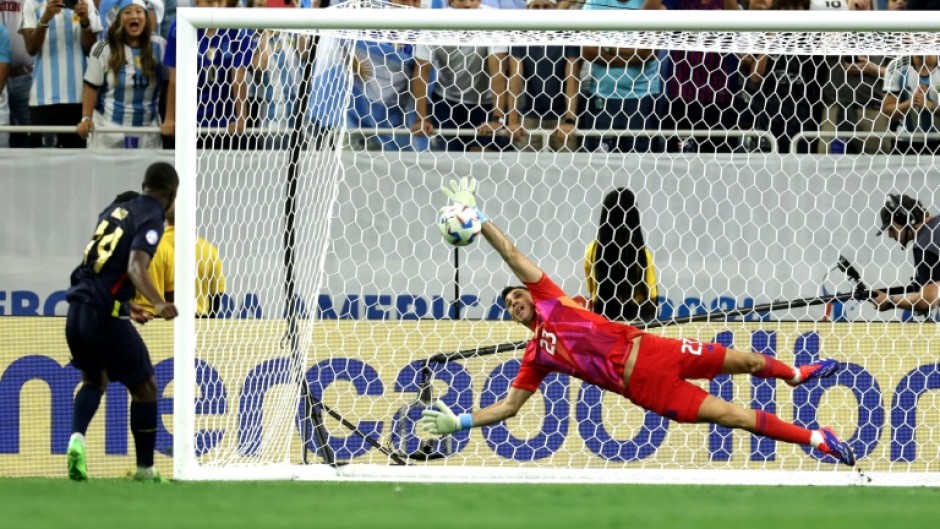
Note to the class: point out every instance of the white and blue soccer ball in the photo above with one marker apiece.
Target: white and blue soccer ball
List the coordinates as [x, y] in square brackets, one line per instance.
[459, 224]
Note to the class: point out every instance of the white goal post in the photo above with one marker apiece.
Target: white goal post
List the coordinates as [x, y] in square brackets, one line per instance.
[341, 289]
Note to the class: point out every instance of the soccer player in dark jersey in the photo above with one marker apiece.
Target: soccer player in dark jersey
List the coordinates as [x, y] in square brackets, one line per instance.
[103, 342]
[650, 370]
[126, 196]
[906, 220]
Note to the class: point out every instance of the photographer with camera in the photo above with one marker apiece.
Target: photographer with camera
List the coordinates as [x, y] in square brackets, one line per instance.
[58, 34]
[906, 220]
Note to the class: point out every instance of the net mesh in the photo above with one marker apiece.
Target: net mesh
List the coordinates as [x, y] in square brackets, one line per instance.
[750, 162]
[575, 137]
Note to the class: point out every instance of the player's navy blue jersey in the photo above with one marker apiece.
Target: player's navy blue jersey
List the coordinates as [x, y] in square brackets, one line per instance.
[101, 280]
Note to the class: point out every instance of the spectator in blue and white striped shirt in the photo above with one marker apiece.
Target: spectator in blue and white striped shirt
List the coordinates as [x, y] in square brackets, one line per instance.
[123, 79]
[58, 37]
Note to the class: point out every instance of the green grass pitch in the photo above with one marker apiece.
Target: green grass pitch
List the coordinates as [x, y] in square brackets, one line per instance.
[59, 503]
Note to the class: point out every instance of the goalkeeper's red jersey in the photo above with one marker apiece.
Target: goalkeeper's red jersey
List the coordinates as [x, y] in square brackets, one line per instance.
[573, 340]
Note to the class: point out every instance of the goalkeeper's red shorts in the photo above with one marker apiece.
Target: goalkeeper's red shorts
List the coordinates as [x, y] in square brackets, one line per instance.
[658, 382]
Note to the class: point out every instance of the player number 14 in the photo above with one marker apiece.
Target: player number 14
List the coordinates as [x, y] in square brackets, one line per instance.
[105, 240]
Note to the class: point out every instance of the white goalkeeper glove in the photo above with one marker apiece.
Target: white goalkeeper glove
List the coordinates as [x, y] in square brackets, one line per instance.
[462, 193]
[442, 421]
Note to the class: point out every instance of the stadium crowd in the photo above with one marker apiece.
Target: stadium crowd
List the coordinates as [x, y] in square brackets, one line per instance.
[111, 63]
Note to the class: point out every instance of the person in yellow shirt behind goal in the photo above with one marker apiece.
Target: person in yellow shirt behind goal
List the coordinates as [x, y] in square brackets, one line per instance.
[210, 278]
[618, 264]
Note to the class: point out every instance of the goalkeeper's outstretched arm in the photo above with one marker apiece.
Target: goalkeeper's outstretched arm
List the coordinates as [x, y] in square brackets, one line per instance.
[520, 265]
[442, 421]
[462, 192]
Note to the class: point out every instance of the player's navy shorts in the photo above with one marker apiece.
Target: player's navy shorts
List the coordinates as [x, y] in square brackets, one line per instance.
[658, 382]
[101, 342]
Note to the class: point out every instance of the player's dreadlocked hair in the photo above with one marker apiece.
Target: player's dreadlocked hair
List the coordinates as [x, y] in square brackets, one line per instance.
[621, 261]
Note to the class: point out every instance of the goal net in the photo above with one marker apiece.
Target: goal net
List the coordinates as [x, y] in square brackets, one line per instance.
[701, 178]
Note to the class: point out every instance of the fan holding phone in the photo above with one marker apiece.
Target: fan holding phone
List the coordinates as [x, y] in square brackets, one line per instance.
[58, 37]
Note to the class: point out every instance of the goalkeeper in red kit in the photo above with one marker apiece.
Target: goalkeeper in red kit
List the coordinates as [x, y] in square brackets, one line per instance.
[650, 370]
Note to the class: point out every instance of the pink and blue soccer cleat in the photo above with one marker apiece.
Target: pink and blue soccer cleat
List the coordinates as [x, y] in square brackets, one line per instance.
[820, 369]
[836, 447]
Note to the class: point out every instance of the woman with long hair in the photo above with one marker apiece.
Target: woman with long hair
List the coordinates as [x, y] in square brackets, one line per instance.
[619, 265]
[123, 79]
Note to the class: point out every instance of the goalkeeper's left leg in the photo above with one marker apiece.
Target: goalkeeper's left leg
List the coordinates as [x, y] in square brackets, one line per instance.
[657, 384]
[717, 411]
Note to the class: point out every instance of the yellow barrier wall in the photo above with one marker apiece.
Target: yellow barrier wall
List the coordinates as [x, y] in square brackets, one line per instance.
[882, 399]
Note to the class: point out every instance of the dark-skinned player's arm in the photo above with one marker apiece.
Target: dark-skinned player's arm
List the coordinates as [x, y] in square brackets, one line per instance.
[137, 272]
[442, 420]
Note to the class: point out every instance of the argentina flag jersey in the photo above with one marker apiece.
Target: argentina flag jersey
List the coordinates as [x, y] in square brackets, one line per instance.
[60, 63]
[128, 97]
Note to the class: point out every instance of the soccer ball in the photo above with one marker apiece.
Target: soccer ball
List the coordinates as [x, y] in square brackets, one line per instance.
[459, 224]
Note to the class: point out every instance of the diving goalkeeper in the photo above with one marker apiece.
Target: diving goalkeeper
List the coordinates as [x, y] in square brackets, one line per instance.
[650, 370]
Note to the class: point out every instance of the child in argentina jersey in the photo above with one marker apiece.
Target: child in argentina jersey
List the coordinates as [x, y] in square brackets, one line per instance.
[126, 95]
[573, 340]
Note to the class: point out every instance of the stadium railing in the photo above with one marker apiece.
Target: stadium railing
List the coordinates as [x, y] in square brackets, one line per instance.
[764, 136]
[829, 135]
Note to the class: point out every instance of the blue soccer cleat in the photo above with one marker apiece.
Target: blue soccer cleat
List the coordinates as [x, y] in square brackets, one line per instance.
[820, 369]
[836, 447]
[78, 471]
